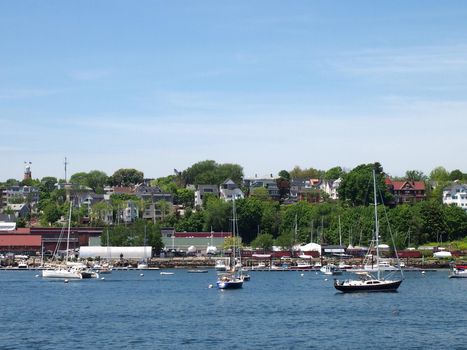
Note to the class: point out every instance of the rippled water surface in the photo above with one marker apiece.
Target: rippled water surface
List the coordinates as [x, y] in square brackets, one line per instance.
[275, 310]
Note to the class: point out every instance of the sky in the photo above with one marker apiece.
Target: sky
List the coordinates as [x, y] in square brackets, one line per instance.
[160, 85]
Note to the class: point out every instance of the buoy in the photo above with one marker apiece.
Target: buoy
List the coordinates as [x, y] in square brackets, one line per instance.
[316, 273]
[302, 274]
[141, 274]
[37, 276]
[102, 278]
[423, 272]
[66, 281]
[325, 279]
[210, 286]
[395, 312]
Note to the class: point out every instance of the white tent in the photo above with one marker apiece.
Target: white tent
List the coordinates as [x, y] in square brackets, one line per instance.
[310, 247]
[442, 254]
[143, 252]
[211, 249]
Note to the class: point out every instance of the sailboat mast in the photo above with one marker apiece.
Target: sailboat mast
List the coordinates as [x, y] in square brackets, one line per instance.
[376, 223]
[68, 234]
[340, 232]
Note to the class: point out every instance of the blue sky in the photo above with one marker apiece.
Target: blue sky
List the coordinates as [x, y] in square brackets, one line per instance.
[158, 85]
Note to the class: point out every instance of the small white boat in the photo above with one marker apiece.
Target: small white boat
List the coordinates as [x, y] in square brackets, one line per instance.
[220, 265]
[458, 271]
[166, 273]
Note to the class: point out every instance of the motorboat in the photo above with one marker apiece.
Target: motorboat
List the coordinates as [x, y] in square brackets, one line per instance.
[220, 265]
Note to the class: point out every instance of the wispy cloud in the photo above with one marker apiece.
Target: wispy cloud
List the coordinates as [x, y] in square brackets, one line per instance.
[14, 94]
[423, 59]
[89, 74]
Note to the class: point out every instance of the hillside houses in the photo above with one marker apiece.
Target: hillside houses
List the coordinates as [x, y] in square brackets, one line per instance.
[456, 194]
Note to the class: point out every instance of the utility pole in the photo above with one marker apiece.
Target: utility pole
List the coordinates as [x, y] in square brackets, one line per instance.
[65, 163]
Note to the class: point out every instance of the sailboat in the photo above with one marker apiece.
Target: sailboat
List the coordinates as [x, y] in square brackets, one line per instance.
[233, 278]
[143, 264]
[64, 271]
[368, 282]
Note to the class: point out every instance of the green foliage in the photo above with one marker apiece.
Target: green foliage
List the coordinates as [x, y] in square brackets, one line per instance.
[415, 175]
[284, 174]
[333, 173]
[167, 184]
[51, 214]
[79, 179]
[264, 241]
[126, 177]
[310, 173]
[456, 175]
[96, 180]
[260, 193]
[185, 197]
[357, 185]
[249, 214]
[133, 235]
[217, 215]
[191, 222]
[285, 240]
[209, 172]
[439, 174]
[47, 184]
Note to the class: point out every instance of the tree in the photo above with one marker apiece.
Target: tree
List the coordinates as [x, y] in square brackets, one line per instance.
[415, 175]
[249, 214]
[309, 173]
[357, 186]
[47, 184]
[185, 197]
[284, 174]
[439, 174]
[80, 178]
[260, 193]
[285, 240]
[333, 173]
[264, 241]
[209, 172]
[217, 215]
[456, 175]
[96, 180]
[126, 177]
[191, 222]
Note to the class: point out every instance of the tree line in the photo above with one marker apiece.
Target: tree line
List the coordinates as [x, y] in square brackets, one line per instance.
[264, 222]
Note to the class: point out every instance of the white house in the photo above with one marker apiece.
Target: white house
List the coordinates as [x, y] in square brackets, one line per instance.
[330, 187]
[456, 194]
[230, 191]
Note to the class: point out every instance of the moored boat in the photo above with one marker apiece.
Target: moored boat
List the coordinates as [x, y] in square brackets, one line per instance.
[368, 282]
[458, 271]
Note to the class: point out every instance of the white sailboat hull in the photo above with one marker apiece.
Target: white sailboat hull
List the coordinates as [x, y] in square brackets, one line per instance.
[62, 273]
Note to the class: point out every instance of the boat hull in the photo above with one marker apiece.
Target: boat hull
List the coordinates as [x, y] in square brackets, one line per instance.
[61, 274]
[384, 286]
[230, 284]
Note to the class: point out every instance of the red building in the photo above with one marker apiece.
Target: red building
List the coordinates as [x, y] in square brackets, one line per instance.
[20, 243]
[30, 240]
[406, 191]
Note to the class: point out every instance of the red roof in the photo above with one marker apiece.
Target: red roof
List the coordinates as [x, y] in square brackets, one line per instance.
[21, 230]
[399, 185]
[20, 240]
[203, 234]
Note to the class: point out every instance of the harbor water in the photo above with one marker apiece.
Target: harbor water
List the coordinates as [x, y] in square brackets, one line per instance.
[275, 310]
